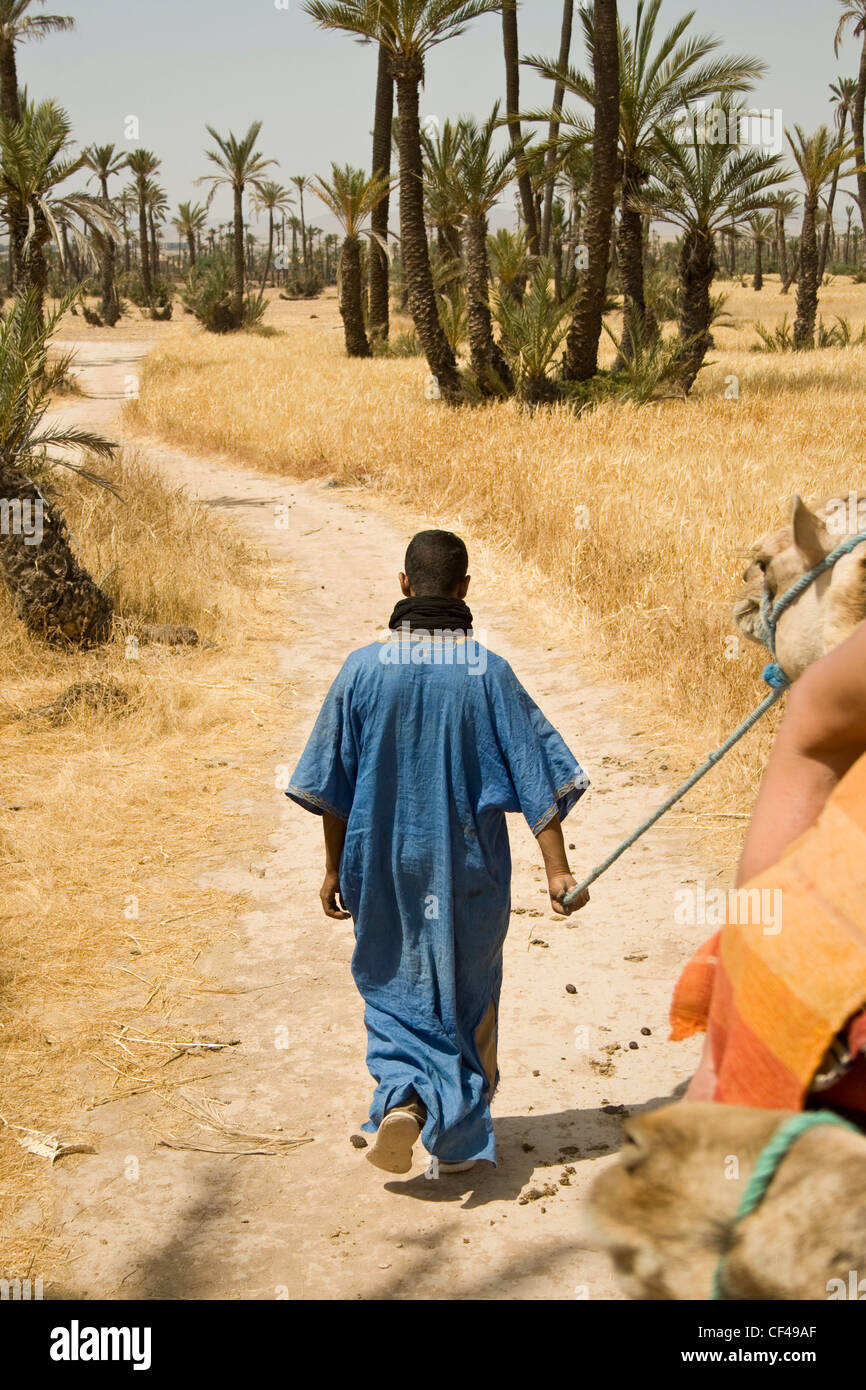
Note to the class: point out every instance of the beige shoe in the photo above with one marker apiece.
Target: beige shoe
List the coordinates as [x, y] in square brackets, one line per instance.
[457, 1167]
[396, 1137]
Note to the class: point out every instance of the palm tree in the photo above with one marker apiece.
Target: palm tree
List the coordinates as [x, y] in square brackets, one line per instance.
[157, 209]
[351, 196]
[442, 201]
[843, 93]
[783, 205]
[581, 353]
[511, 49]
[854, 13]
[272, 198]
[33, 164]
[302, 182]
[533, 329]
[240, 165]
[554, 124]
[762, 227]
[142, 164]
[818, 158]
[105, 163]
[658, 79]
[383, 120]
[700, 188]
[482, 177]
[17, 25]
[52, 593]
[509, 259]
[190, 222]
[409, 29]
[295, 225]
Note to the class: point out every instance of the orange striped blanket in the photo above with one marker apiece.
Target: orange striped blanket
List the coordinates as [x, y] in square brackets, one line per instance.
[773, 993]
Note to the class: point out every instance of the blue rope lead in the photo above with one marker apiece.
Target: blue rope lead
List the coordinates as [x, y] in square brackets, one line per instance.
[747, 724]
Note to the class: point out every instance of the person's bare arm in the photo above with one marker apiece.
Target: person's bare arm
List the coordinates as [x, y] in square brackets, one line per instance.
[335, 837]
[559, 876]
[821, 737]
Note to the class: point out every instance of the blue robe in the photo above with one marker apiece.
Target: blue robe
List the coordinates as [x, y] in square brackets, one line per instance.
[422, 745]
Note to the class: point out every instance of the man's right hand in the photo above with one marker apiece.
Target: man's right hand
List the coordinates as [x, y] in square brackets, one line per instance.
[332, 900]
[559, 885]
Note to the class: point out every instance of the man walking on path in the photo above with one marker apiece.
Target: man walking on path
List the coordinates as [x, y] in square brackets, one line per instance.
[423, 744]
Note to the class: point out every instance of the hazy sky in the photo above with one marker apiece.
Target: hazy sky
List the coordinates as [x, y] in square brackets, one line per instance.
[179, 64]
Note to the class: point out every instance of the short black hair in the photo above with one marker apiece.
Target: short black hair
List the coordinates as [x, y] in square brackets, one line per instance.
[436, 563]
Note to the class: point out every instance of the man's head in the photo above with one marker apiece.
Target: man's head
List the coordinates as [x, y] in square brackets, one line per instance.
[436, 564]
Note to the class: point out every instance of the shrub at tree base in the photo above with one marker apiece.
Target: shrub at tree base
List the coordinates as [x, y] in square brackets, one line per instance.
[208, 294]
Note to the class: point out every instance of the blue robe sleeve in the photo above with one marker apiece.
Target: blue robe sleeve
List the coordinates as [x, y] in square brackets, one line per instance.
[548, 780]
[325, 777]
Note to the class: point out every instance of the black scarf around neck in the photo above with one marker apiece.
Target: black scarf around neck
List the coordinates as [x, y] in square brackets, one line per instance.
[430, 613]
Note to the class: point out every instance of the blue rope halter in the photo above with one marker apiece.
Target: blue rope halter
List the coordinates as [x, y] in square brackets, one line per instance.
[766, 1167]
[775, 678]
[772, 612]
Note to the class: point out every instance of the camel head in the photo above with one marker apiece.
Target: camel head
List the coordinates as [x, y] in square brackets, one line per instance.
[664, 1210]
[829, 610]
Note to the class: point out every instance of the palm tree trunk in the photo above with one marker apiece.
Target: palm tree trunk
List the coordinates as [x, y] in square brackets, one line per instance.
[553, 130]
[792, 275]
[52, 593]
[10, 104]
[303, 231]
[630, 258]
[697, 269]
[109, 308]
[190, 241]
[782, 247]
[511, 48]
[581, 357]
[10, 108]
[857, 118]
[144, 246]
[556, 252]
[491, 370]
[409, 73]
[270, 254]
[828, 225]
[351, 300]
[32, 273]
[758, 277]
[448, 241]
[154, 249]
[382, 126]
[807, 285]
[239, 268]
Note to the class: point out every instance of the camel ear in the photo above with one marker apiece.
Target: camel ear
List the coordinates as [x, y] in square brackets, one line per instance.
[810, 538]
[635, 1144]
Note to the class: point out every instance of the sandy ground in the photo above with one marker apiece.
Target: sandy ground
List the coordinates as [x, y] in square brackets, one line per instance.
[152, 1222]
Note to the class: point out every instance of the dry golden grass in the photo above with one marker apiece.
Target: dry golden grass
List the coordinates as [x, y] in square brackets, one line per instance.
[111, 806]
[675, 492]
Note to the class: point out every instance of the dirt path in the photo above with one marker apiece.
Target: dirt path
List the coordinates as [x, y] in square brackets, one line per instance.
[320, 1222]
